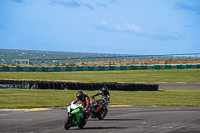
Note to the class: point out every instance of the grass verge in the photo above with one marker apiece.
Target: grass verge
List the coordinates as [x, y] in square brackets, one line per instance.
[162, 75]
[29, 98]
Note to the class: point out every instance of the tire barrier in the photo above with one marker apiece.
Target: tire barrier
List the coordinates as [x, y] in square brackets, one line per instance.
[96, 68]
[77, 85]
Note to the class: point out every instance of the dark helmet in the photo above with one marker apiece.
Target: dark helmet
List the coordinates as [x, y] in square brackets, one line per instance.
[104, 89]
[80, 95]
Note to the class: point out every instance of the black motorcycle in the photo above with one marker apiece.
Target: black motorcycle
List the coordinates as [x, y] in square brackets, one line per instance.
[97, 110]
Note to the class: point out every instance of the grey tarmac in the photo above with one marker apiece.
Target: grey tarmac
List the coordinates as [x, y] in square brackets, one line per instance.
[139, 119]
[179, 85]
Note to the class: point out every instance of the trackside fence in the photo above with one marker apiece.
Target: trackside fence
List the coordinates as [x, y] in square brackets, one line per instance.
[68, 61]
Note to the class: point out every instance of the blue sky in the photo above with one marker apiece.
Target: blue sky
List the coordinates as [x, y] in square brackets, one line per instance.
[101, 26]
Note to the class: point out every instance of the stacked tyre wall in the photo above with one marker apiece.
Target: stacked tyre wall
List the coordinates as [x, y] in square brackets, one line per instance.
[77, 86]
[95, 68]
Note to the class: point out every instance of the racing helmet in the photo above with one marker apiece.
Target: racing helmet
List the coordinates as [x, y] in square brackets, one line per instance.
[104, 89]
[80, 95]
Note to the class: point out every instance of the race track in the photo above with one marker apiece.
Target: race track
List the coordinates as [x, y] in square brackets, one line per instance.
[139, 119]
[179, 85]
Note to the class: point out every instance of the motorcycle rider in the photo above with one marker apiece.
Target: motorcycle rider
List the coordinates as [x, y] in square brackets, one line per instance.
[85, 101]
[105, 96]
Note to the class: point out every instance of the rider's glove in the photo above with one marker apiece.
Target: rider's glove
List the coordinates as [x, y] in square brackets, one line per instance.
[104, 107]
[92, 97]
[84, 110]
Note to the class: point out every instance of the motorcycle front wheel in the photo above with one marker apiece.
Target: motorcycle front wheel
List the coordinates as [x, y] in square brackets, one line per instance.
[103, 114]
[67, 123]
[82, 124]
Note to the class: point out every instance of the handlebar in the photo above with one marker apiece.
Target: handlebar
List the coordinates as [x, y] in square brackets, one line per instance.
[100, 100]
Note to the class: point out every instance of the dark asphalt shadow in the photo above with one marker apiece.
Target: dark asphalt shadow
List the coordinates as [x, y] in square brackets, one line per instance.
[86, 128]
[96, 119]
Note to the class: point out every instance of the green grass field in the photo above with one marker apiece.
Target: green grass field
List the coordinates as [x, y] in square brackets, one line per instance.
[164, 75]
[28, 98]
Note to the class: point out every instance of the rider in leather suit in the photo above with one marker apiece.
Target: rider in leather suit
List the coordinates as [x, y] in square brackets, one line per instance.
[85, 101]
[105, 96]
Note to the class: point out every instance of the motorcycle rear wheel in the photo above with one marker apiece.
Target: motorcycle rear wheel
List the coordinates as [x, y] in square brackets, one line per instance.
[67, 123]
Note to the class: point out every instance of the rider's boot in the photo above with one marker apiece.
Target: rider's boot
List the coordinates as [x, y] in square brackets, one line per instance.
[103, 110]
[86, 116]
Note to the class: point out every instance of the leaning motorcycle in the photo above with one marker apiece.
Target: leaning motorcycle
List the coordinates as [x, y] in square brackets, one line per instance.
[75, 116]
[96, 109]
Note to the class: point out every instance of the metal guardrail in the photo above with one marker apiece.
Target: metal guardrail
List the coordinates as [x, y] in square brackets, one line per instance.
[105, 59]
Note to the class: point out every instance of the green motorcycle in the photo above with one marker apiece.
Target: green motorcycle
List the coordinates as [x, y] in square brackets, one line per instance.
[75, 116]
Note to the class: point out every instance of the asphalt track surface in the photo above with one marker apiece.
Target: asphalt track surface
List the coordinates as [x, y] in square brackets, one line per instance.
[139, 119]
[179, 85]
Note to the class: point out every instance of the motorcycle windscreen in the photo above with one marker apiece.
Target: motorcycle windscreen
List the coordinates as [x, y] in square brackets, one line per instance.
[68, 110]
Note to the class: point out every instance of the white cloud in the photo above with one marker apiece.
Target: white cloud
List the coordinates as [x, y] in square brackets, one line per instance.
[126, 27]
[135, 29]
[102, 23]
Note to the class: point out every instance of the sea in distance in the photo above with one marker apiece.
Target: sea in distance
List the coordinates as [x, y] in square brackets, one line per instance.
[7, 55]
